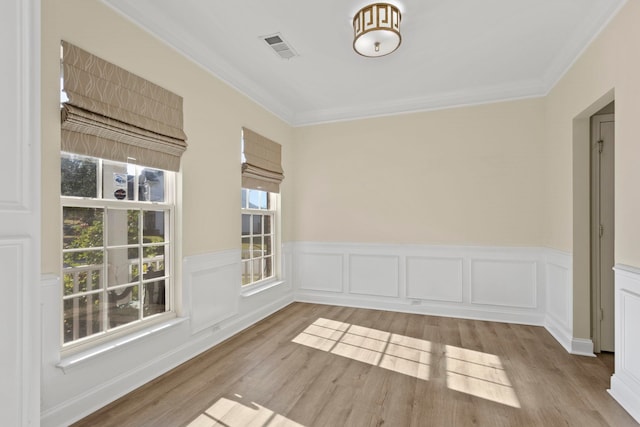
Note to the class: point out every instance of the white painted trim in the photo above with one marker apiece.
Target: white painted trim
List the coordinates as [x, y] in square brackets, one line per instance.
[625, 383]
[626, 395]
[119, 343]
[582, 347]
[82, 405]
[531, 311]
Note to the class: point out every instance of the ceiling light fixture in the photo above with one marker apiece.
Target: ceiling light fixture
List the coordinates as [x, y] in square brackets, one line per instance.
[376, 30]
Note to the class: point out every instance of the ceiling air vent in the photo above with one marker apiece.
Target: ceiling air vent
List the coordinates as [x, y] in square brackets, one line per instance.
[279, 46]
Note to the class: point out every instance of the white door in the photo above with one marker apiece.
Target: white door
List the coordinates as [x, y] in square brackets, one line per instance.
[19, 213]
[602, 235]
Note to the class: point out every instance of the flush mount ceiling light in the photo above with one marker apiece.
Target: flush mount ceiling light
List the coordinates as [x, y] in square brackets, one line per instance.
[376, 30]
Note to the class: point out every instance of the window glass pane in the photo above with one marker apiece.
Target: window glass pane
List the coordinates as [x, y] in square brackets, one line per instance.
[82, 279]
[257, 199]
[268, 272]
[124, 266]
[117, 181]
[257, 270]
[257, 247]
[257, 224]
[123, 306]
[267, 224]
[153, 223]
[82, 227]
[244, 199]
[82, 317]
[153, 262]
[124, 227]
[246, 272]
[246, 248]
[94, 259]
[267, 245]
[79, 176]
[151, 185]
[154, 298]
[246, 224]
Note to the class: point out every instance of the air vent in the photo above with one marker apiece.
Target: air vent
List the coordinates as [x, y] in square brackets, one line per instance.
[279, 46]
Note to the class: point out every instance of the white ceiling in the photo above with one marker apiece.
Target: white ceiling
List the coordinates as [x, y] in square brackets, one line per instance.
[453, 52]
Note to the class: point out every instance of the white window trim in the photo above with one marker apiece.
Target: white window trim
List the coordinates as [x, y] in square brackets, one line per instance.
[78, 358]
[95, 344]
[276, 280]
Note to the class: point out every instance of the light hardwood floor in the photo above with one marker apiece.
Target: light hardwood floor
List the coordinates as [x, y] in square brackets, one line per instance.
[319, 365]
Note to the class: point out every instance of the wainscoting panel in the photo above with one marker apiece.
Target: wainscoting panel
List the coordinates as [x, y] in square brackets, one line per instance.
[437, 279]
[507, 283]
[214, 283]
[559, 301]
[625, 383]
[374, 275]
[485, 283]
[319, 271]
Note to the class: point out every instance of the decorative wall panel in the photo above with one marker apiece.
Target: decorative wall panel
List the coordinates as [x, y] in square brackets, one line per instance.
[319, 271]
[374, 275]
[438, 279]
[503, 282]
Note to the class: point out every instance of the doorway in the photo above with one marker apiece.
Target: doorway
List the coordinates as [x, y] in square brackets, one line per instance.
[602, 228]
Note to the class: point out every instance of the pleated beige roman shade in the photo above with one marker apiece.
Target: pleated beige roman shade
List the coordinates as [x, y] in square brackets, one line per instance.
[116, 115]
[261, 169]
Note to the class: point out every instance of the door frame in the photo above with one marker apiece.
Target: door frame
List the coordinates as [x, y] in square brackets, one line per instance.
[595, 242]
[581, 224]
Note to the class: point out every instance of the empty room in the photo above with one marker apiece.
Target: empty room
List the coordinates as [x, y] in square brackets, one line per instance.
[261, 213]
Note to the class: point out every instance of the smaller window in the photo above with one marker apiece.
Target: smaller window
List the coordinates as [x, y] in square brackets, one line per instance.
[258, 236]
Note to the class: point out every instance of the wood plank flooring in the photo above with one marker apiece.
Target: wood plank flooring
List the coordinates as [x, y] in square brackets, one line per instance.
[318, 365]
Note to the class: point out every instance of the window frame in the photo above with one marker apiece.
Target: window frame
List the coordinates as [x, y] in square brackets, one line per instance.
[274, 213]
[169, 207]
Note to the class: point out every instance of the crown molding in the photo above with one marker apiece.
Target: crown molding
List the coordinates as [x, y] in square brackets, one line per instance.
[201, 54]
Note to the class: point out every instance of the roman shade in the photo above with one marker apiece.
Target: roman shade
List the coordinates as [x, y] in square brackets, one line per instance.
[261, 169]
[116, 115]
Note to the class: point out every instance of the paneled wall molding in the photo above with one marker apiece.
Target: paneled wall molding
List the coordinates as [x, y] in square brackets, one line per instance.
[211, 287]
[530, 285]
[625, 383]
[211, 292]
[20, 235]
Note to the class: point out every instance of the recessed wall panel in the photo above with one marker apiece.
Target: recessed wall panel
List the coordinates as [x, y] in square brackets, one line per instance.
[503, 282]
[320, 272]
[437, 279]
[374, 275]
[214, 284]
[630, 345]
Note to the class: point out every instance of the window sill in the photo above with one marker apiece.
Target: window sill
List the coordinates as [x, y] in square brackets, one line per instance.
[67, 363]
[260, 287]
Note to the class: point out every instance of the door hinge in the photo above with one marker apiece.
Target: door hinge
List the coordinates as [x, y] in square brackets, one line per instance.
[600, 146]
[601, 230]
[601, 314]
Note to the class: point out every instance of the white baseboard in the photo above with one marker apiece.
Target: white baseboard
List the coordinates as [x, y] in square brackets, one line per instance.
[627, 395]
[582, 347]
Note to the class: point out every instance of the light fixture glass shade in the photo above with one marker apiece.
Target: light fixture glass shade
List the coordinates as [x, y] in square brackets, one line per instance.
[376, 30]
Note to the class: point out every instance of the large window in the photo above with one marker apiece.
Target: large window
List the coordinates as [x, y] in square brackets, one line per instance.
[258, 236]
[116, 246]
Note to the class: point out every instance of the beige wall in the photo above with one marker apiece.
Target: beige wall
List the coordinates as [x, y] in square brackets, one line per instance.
[609, 68]
[465, 176]
[510, 173]
[214, 114]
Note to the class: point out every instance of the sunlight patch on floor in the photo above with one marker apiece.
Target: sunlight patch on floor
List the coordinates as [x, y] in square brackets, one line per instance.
[233, 413]
[467, 371]
[405, 355]
[479, 374]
